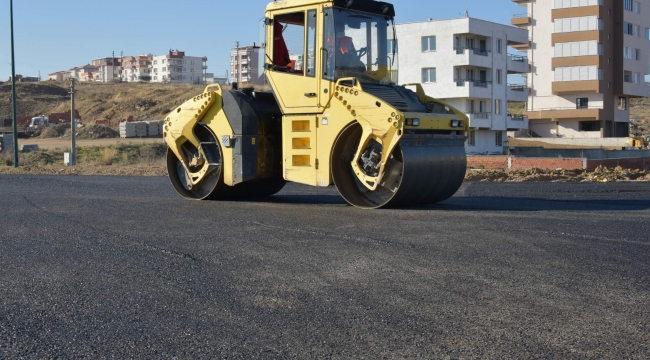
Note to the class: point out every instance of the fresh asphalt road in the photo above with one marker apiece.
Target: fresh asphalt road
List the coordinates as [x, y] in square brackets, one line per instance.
[122, 267]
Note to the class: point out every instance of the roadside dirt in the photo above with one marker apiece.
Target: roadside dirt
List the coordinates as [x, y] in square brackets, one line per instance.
[64, 143]
[158, 168]
[601, 174]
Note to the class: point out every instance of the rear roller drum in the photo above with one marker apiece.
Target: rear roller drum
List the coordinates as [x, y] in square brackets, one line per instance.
[212, 186]
[414, 175]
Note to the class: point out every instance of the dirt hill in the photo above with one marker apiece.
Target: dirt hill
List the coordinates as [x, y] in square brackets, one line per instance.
[96, 101]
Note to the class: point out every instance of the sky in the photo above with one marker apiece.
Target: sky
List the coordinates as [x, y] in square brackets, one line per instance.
[57, 35]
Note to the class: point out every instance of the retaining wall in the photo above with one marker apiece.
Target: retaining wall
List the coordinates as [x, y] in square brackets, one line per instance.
[522, 163]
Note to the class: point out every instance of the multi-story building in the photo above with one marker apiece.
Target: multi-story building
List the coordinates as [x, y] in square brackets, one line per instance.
[87, 73]
[136, 68]
[211, 79]
[108, 69]
[465, 63]
[244, 66]
[588, 58]
[175, 67]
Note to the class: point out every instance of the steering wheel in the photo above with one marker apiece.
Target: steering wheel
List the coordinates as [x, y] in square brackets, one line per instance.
[362, 51]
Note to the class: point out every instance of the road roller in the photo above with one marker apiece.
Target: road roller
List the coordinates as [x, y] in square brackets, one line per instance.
[326, 109]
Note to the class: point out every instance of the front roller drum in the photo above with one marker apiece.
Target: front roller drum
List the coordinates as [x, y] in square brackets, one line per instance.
[414, 175]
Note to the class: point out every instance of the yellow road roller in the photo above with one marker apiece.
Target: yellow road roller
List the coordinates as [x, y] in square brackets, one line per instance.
[326, 110]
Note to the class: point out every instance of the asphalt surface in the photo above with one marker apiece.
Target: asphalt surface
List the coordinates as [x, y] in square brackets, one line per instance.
[116, 267]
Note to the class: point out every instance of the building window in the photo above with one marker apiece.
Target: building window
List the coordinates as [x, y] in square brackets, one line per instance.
[637, 78]
[578, 73]
[191, 62]
[428, 43]
[428, 75]
[561, 4]
[498, 76]
[499, 138]
[628, 28]
[628, 5]
[627, 52]
[155, 62]
[582, 103]
[637, 7]
[578, 24]
[471, 138]
[155, 77]
[578, 48]
[622, 103]
[499, 46]
[637, 31]
[637, 55]
[589, 125]
[164, 60]
[647, 33]
[164, 69]
[497, 106]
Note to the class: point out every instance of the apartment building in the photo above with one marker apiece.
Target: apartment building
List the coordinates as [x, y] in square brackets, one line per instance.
[136, 68]
[176, 67]
[108, 69]
[588, 58]
[465, 63]
[244, 66]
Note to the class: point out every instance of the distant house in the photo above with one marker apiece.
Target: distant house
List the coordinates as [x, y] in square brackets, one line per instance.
[177, 68]
[24, 79]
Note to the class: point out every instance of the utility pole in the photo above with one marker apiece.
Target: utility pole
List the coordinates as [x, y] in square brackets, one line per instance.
[73, 152]
[112, 62]
[13, 85]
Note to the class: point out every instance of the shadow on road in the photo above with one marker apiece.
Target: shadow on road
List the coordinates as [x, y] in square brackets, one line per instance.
[483, 203]
[486, 203]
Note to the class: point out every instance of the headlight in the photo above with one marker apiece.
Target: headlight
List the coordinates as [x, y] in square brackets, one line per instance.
[457, 123]
[413, 122]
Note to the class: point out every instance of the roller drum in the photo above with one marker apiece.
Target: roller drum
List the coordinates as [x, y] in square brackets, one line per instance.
[421, 170]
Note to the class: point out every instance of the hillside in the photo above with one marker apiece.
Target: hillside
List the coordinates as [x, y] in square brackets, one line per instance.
[96, 101]
[116, 101]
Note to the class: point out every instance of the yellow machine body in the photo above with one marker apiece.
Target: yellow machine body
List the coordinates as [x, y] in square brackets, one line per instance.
[315, 111]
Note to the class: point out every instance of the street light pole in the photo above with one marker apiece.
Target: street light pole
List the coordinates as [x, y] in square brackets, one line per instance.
[13, 85]
[73, 152]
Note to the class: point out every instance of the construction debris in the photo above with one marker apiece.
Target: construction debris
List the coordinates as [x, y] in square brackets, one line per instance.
[600, 174]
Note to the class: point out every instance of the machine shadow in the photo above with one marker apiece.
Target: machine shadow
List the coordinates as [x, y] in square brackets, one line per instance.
[486, 203]
[477, 203]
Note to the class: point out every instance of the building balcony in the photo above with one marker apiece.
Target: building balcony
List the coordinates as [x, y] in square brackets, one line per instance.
[518, 64]
[521, 19]
[517, 93]
[584, 86]
[587, 60]
[579, 11]
[516, 122]
[582, 113]
[480, 120]
[472, 57]
[576, 36]
[523, 46]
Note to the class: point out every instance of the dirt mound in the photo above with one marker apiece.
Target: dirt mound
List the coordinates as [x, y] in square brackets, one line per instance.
[601, 174]
[55, 131]
[96, 132]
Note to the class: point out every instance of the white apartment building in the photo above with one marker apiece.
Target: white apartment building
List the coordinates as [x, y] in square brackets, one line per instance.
[588, 58]
[465, 63]
[244, 67]
[175, 67]
[136, 68]
[108, 69]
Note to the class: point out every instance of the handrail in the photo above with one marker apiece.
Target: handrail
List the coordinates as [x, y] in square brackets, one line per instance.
[518, 16]
[570, 108]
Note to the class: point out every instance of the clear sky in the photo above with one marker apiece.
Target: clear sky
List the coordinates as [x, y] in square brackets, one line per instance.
[53, 35]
